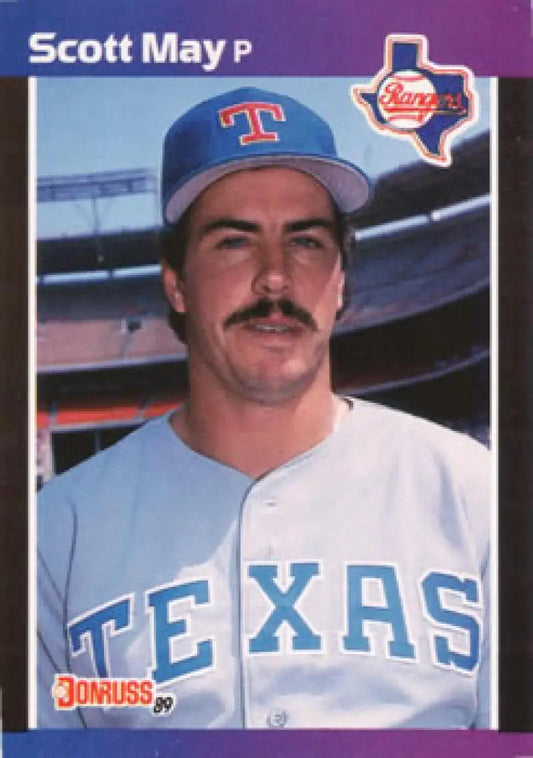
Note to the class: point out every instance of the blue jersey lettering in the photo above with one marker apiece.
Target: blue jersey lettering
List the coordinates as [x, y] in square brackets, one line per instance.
[88, 633]
[391, 613]
[164, 630]
[432, 585]
[267, 640]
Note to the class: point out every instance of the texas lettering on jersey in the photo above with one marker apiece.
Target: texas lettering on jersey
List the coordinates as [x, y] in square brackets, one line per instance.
[449, 603]
[263, 597]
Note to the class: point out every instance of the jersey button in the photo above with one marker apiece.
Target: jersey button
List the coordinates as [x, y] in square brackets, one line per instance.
[277, 718]
[270, 503]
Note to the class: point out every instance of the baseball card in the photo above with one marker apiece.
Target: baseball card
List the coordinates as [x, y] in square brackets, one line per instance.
[265, 406]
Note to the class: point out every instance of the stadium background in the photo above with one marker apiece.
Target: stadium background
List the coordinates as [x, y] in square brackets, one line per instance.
[514, 270]
[414, 335]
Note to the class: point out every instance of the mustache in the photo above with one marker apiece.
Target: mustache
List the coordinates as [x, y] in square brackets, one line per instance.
[264, 307]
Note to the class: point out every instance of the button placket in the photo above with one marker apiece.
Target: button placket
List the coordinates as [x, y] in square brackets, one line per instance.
[254, 545]
[277, 718]
[260, 528]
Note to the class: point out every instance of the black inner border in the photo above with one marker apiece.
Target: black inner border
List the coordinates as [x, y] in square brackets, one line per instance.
[13, 400]
[515, 403]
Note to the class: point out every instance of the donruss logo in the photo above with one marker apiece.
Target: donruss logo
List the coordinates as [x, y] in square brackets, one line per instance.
[411, 98]
[69, 692]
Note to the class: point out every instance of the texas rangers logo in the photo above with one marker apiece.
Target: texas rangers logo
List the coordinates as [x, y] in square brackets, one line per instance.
[412, 98]
[252, 112]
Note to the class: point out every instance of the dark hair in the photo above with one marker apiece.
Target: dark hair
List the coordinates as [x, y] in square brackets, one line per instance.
[173, 241]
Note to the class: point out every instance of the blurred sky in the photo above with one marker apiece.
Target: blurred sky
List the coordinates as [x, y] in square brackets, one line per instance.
[94, 124]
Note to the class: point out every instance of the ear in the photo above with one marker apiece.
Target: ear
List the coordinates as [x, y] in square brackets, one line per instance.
[341, 291]
[173, 287]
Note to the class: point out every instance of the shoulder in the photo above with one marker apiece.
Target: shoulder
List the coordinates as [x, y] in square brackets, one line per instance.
[398, 431]
[453, 468]
[89, 501]
[112, 470]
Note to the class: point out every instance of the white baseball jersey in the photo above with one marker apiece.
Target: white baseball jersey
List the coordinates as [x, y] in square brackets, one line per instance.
[346, 588]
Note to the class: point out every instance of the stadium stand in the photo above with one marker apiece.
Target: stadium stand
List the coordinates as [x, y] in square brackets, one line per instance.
[414, 332]
[114, 321]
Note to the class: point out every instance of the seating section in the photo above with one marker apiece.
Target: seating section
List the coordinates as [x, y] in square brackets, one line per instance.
[119, 321]
[397, 275]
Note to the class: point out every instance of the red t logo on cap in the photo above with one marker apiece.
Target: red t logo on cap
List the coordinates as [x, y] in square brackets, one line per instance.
[252, 112]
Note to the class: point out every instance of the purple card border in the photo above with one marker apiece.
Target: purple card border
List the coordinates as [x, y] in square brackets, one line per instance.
[492, 41]
[346, 38]
[268, 744]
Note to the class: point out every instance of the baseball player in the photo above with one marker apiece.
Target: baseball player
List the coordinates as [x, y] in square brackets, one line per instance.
[270, 554]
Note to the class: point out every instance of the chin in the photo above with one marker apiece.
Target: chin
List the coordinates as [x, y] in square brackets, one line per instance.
[272, 387]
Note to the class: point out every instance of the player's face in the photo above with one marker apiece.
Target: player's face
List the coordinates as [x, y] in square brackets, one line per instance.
[261, 284]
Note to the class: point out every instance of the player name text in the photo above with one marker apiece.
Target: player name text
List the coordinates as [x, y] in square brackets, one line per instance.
[149, 48]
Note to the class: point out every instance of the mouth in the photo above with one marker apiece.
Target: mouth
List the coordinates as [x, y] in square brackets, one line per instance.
[268, 317]
[270, 329]
[275, 325]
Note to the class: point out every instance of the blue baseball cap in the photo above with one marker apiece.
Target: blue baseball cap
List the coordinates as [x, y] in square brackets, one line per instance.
[248, 128]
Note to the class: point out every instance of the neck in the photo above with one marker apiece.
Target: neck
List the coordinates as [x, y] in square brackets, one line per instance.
[255, 438]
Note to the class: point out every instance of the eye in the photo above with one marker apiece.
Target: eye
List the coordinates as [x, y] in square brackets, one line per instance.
[307, 242]
[232, 242]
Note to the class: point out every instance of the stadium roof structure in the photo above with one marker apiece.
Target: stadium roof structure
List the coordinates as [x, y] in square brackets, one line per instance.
[98, 253]
[417, 189]
[420, 189]
[94, 186]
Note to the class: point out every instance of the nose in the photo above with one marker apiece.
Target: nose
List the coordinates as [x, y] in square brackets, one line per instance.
[273, 278]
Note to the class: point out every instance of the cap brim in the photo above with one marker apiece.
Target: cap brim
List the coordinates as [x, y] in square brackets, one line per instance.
[347, 185]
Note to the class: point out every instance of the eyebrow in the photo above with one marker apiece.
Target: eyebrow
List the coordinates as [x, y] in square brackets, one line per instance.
[237, 224]
[310, 223]
[241, 225]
